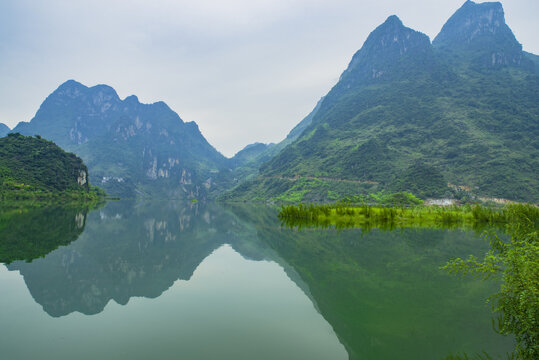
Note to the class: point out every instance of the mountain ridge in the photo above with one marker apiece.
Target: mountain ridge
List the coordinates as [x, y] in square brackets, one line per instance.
[132, 149]
[437, 106]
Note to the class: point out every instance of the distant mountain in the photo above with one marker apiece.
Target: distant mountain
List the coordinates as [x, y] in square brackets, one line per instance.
[534, 59]
[479, 31]
[132, 149]
[247, 161]
[464, 109]
[250, 153]
[4, 129]
[34, 165]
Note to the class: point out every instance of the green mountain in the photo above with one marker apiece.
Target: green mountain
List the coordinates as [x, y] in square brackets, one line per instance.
[246, 162]
[261, 153]
[4, 129]
[252, 153]
[34, 166]
[533, 58]
[463, 109]
[131, 149]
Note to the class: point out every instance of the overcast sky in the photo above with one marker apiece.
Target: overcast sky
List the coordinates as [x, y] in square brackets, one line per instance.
[244, 70]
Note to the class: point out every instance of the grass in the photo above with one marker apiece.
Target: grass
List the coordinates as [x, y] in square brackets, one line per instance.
[342, 215]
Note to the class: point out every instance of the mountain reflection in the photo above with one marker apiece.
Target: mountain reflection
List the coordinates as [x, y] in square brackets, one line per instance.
[27, 233]
[128, 249]
[382, 292]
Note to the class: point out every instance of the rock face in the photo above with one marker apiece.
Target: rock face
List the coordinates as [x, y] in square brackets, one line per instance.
[381, 52]
[481, 30]
[131, 148]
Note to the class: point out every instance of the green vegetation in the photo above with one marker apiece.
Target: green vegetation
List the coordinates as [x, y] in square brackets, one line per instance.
[246, 162]
[131, 149]
[517, 260]
[301, 189]
[385, 198]
[423, 180]
[344, 215]
[32, 168]
[415, 116]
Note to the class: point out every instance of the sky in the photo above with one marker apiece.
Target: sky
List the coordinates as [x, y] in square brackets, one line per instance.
[244, 70]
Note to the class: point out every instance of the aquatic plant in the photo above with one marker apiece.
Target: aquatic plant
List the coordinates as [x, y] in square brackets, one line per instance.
[367, 216]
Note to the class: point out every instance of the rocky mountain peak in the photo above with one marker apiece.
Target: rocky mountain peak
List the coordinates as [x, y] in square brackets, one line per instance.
[472, 21]
[71, 89]
[385, 46]
[4, 129]
[128, 145]
[393, 37]
[481, 27]
[132, 99]
[96, 95]
[103, 93]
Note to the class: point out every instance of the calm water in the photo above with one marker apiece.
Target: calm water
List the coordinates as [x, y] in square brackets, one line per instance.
[167, 280]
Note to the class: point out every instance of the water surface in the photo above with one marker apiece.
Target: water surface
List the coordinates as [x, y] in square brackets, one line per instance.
[171, 280]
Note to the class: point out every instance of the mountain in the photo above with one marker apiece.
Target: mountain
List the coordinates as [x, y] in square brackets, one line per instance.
[131, 149]
[533, 58]
[247, 161]
[4, 129]
[250, 153]
[479, 31]
[32, 165]
[464, 109]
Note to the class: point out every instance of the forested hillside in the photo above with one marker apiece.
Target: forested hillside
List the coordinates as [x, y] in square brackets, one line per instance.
[464, 108]
[32, 167]
[132, 149]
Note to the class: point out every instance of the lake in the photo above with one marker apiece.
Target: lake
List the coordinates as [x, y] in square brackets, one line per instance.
[175, 280]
